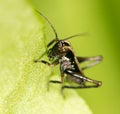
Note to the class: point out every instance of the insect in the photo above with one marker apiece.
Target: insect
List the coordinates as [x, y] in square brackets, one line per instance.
[62, 53]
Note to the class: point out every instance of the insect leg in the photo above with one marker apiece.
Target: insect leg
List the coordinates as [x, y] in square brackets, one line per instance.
[77, 75]
[78, 87]
[54, 63]
[55, 81]
[95, 60]
[96, 83]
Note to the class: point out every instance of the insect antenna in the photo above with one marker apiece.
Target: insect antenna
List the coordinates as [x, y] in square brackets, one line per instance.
[51, 42]
[56, 36]
[76, 35]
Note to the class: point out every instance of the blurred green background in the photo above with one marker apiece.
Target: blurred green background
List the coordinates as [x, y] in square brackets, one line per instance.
[101, 20]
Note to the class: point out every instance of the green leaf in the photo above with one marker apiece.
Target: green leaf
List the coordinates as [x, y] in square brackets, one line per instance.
[22, 82]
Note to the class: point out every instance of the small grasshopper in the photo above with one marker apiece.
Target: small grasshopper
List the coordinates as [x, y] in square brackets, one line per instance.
[62, 53]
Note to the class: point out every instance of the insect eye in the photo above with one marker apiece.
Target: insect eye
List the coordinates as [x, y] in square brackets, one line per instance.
[63, 43]
[66, 44]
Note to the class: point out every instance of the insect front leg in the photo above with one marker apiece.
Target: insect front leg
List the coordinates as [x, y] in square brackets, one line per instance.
[54, 63]
[95, 60]
[82, 85]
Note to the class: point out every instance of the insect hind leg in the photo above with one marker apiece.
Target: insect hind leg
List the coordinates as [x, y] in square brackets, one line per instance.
[82, 85]
[94, 61]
